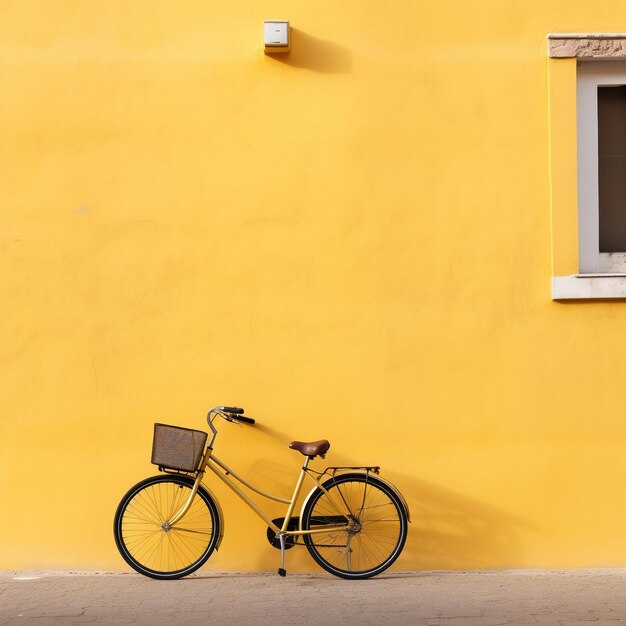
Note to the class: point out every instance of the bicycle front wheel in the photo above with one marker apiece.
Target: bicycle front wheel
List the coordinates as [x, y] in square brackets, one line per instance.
[375, 526]
[145, 539]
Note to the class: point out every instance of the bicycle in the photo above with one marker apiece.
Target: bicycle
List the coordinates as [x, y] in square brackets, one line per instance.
[353, 522]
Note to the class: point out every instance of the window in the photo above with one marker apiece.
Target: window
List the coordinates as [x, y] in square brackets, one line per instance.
[587, 108]
[601, 120]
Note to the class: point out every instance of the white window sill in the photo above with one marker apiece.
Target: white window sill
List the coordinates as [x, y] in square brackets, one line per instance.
[588, 286]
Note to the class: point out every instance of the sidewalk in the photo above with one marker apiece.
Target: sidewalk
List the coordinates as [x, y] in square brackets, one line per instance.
[429, 598]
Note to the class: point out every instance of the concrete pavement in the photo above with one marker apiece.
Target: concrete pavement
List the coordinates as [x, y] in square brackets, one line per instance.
[427, 598]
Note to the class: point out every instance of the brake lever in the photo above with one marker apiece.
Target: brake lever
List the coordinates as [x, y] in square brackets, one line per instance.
[231, 418]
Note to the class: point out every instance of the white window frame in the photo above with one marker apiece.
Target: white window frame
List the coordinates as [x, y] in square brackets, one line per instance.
[590, 76]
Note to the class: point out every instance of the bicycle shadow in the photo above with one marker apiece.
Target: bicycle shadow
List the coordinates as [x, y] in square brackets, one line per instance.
[448, 530]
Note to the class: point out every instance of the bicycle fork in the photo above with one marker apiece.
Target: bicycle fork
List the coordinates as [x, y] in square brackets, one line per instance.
[196, 484]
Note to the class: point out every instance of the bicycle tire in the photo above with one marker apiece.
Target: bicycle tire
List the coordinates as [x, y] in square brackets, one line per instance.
[378, 520]
[154, 551]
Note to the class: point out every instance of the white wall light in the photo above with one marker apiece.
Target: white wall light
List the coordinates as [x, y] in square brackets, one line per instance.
[275, 36]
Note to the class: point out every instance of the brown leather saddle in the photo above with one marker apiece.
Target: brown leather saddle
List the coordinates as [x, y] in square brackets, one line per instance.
[311, 448]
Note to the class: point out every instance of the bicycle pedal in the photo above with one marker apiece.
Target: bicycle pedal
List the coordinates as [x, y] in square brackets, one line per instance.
[282, 572]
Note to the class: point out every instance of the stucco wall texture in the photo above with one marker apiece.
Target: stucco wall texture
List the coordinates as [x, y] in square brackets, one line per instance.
[353, 242]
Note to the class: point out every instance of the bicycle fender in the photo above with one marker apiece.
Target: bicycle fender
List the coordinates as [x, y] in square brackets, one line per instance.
[397, 492]
[306, 501]
[375, 478]
[219, 512]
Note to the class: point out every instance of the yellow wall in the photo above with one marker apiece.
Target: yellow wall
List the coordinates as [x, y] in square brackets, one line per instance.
[353, 242]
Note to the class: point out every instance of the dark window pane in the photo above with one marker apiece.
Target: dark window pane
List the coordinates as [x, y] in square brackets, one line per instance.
[612, 167]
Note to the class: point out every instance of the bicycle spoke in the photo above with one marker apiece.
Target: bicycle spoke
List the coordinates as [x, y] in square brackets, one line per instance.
[374, 533]
[149, 542]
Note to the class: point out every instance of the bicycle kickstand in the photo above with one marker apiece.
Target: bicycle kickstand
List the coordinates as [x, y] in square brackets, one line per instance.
[281, 570]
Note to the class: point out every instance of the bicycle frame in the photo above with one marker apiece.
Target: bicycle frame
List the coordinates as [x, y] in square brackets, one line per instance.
[222, 471]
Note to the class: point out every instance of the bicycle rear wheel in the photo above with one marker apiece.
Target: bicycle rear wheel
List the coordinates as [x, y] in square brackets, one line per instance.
[146, 542]
[377, 526]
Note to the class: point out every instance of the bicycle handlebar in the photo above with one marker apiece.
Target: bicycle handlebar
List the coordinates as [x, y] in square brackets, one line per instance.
[245, 420]
[231, 409]
[230, 414]
[236, 414]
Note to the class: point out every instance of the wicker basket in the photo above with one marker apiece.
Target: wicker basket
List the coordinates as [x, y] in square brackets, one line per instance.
[177, 448]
